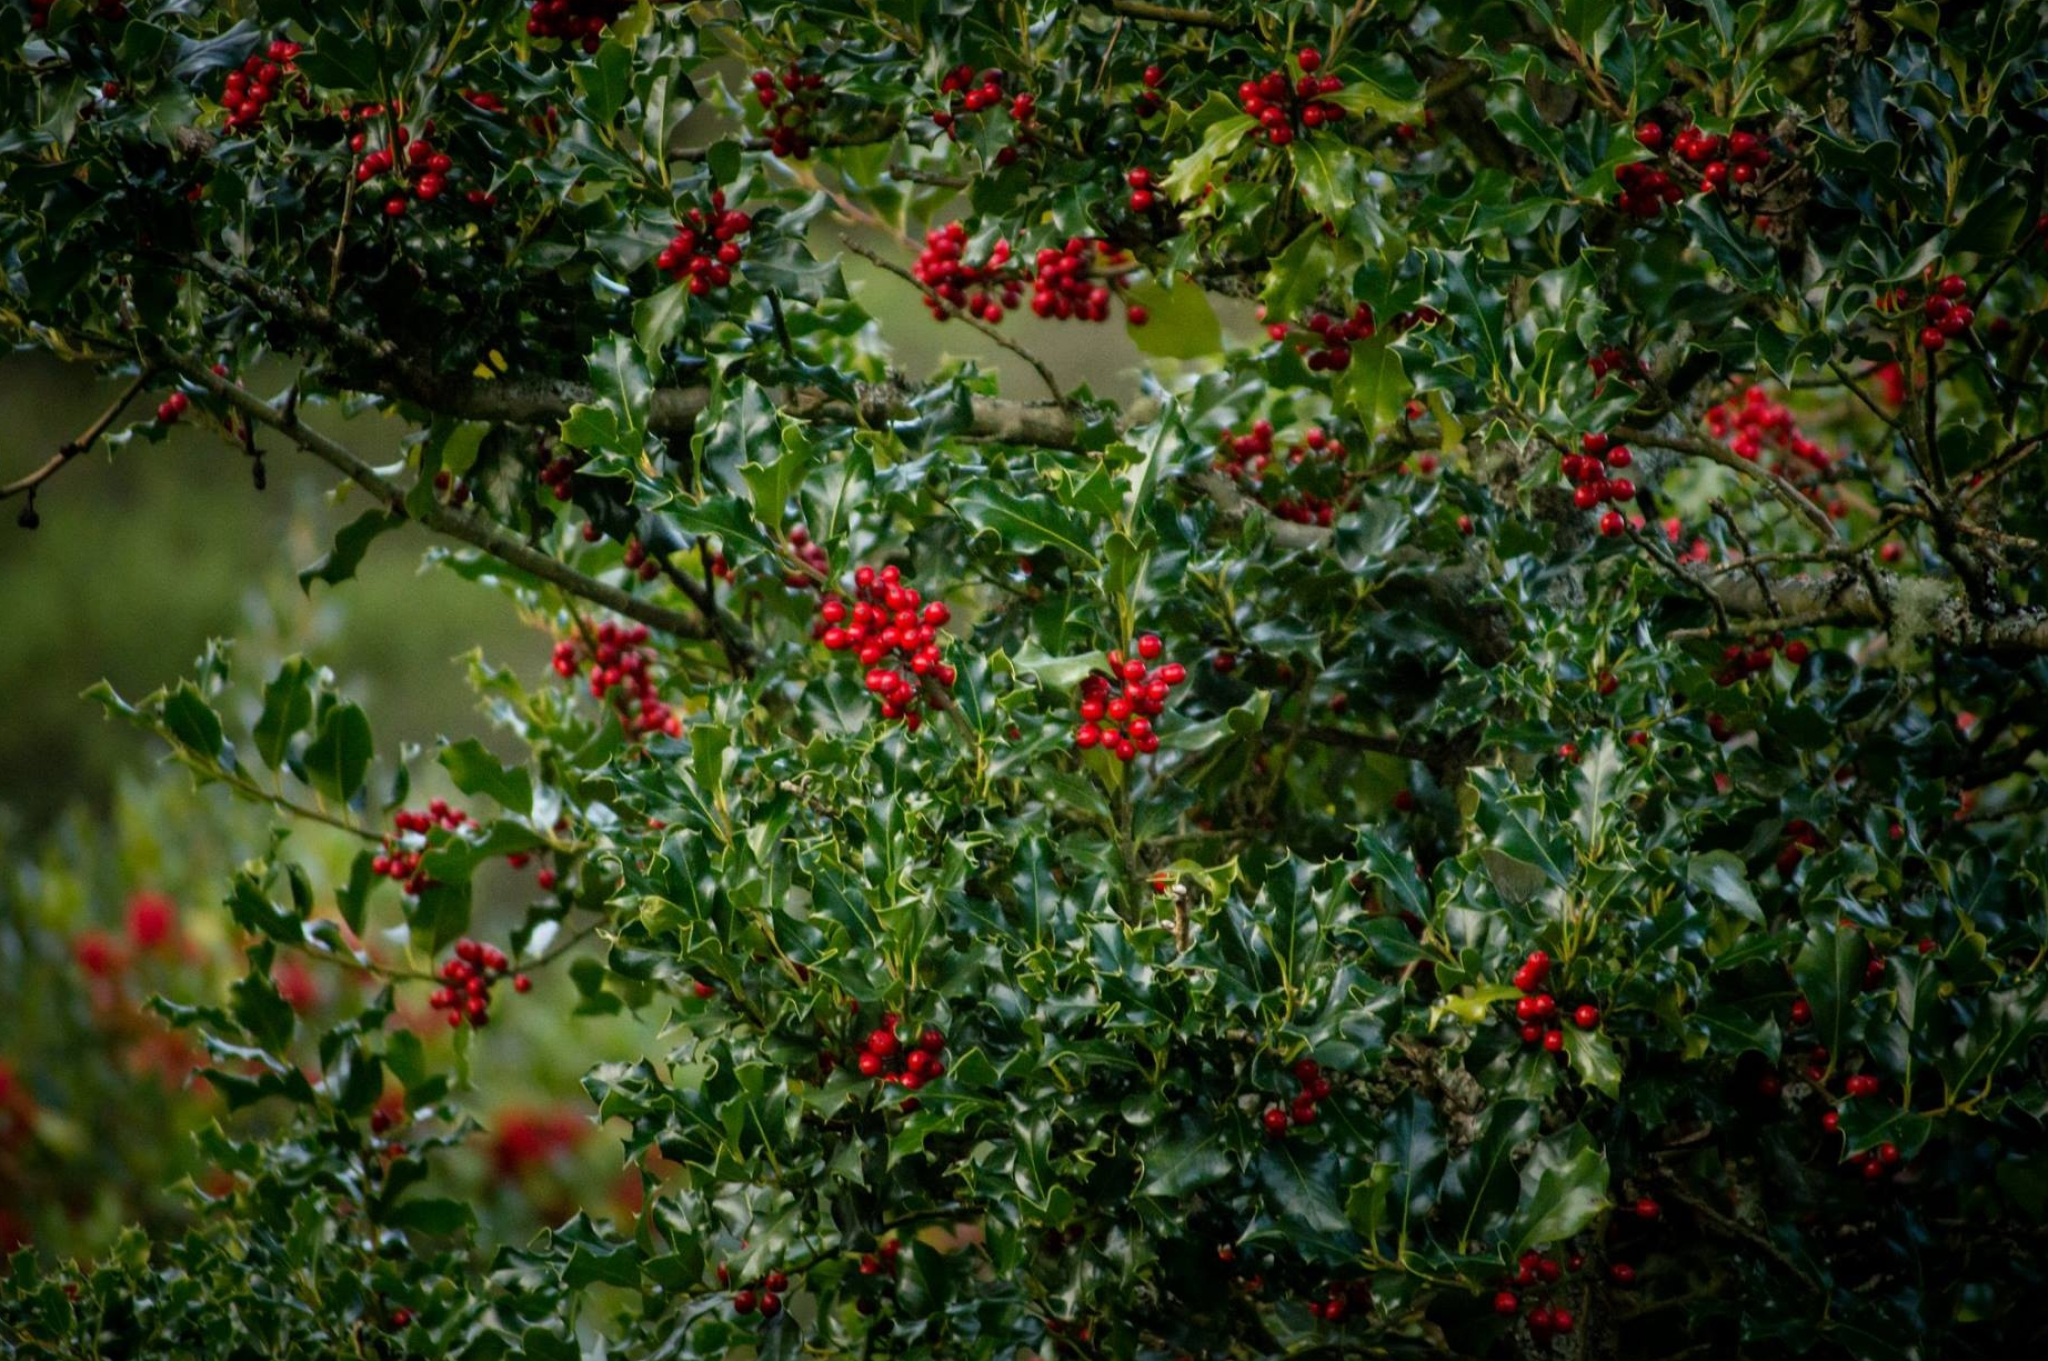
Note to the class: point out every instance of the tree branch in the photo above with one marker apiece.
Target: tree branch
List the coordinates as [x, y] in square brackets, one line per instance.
[79, 443]
[442, 519]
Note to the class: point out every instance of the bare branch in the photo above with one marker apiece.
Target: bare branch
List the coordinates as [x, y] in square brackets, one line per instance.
[79, 443]
[442, 519]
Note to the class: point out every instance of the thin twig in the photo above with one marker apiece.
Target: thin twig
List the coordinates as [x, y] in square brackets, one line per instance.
[443, 519]
[80, 442]
[1045, 374]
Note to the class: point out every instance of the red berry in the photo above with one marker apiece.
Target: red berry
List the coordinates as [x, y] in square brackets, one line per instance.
[1586, 1017]
[1275, 1120]
[1647, 1208]
[1506, 1303]
[1308, 59]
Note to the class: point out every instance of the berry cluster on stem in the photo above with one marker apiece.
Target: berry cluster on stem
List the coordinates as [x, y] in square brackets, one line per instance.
[1536, 1271]
[250, 88]
[763, 1296]
[889, 618]
[416, 168]
[816, 564]
[469, 977]
[400, 860]
[1301, 1110]
[968, 91]
[896, 1062]
[1591, 471]
[1711, 163]
[1117, 707]
[1248, 459]
[558, 473]
[707, 246]
[791, 104]
[621, 668]
[1287, 108]
[1537, 1011]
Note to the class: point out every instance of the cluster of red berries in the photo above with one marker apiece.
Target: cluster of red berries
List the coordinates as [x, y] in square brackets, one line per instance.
[889, 616]
[1590, 471]
[1716, 162]
[1699, 550]
[1613, 359]
[453, 490]
[1340, 1299]
[1248, 458]
[558, 474]
[764, 1296]
[1536, 1009]
[172, 407]
[249, 89]
[575, 21]
[1149, 101]
[1645, 190]
[1740, 661]
[1314, 1088]
[639, 563]
[1144, 189]
[621, 668]
[1536, 1270]
[953, 284]
[816, 563]
[969, 91]
[1948, 316]
[420, 172]
[791, 107]
[1756, 423]
[887, 1059]
[470, 976]
[401, 859]
[1068, 282]
[1285, 108]
[883, 1260]
[706, 247]
[1330, 351]
[1130, 694]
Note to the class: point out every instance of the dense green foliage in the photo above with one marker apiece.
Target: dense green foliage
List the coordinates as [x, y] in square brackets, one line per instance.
[1550, 900]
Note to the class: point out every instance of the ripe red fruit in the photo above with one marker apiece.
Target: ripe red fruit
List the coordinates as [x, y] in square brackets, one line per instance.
[1553, 1041]
[1506, 1303]
[1586, 1017]
[933, 1039]
[1621, 1273]
[1275, 1121]
[1953, 286]
[1802, 1011]
[1831, 1122]
[882, 1042]
[1647, 1208]
[1611, 523]
[1932, 340]
[770, 1305]
[1649, 135]
[775, 1281]
[870, 1065]
[1888, 1154]
[743, 1302]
